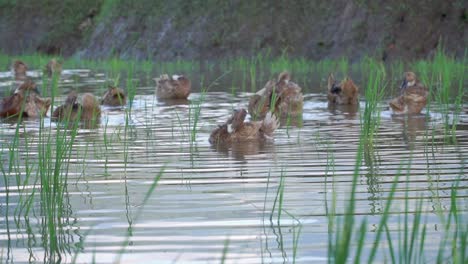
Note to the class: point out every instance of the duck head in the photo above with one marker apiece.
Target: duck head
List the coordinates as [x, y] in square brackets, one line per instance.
[114, 96]
[283, 78]
[54, 66]
[183, 82]
[333, 87]
[35, 105]
[19, 69]
[71, 98]
[409, 79]
[25, 100]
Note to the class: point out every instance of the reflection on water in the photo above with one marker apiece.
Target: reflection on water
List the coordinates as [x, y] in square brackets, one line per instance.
[208, 195]
[412, 126]
[348, 111]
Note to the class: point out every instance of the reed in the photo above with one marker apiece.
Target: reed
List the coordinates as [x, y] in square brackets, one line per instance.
[146, 198]
[341, 246]
[194, 114]
[278, 202]
[50, 183]
[449, 93]
[407, 244]
[54, 154]
[45, 168]
[225, 251]
[370, 118]
[6, 175]
[253, 75]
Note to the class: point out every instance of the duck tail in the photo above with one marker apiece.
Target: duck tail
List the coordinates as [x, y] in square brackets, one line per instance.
[270, 123]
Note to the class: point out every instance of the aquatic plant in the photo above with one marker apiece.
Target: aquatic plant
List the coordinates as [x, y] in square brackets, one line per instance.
[370, 118]
[146, 198]
[225, 251]
[54, 154]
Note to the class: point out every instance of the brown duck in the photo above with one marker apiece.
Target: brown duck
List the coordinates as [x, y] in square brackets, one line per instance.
[53, 67]
[26, 101]
[71, 110]
[413, 96]
[114, 96]
[282, 96]
[236, 130]
[345, 93]
[19, 70]
[175, 87]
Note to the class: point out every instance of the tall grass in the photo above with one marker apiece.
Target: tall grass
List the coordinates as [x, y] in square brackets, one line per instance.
[276, 214]
[146, 198]
[225, 251]
[54, 154]
[194, 115]
[370, 118]
[406, 243]
[347, 239]
[49, 178]
[446, 71]
[444, 75]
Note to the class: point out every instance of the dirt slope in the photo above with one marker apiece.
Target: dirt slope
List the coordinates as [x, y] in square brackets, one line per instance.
[209, 29]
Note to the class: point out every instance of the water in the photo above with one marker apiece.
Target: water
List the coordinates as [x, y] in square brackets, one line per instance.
[210, 198]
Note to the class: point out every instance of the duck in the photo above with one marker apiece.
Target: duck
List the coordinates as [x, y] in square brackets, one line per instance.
[345, 93]
[114, 96]
[71, 110]
[412, 98]
[25, 100]
[235, 129]
[174, 87]
[282, 96]
[53, 67]
[19, 69]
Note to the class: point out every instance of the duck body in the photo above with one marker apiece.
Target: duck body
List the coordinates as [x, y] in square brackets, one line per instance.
[53, 67]
[412, 98]
[235, 129]
[114, 96]
[282, 96]
[71, 110]
[174, 87]
[26, 101]
[344, 93]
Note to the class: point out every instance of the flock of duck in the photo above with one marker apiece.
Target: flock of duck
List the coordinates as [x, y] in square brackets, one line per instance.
[280, 98]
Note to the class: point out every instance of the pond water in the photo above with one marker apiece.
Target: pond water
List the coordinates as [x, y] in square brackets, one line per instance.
[212, 200]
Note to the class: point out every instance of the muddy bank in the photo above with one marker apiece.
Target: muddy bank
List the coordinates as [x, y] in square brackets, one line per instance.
[216, 28]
